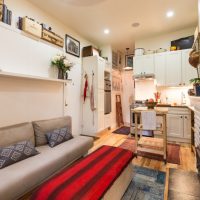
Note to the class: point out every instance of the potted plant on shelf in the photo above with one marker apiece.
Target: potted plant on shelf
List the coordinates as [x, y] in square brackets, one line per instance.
[63, 65]
[194, 61]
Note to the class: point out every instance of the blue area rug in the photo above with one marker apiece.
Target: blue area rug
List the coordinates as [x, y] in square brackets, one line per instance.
[147, 184]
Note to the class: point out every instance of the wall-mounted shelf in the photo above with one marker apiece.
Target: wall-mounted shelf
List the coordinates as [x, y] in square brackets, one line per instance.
[24, 76]
[18, 31]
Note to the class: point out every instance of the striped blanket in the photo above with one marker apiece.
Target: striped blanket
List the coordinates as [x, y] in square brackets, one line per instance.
[89, 179]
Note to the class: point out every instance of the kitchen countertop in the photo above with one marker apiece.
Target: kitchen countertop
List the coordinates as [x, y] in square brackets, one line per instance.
[159, 110]
[176, 106]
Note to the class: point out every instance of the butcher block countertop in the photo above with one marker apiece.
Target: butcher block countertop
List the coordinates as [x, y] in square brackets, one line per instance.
[158, 110]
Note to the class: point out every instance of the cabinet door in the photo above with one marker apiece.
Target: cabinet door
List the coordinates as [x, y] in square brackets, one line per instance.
[173, 68]
[148, 64]
[100, 101]
[100, 121]
[188, 72]
[138, 65]
[160, 68]
[175, 126]
[101, 68]
[187, 126]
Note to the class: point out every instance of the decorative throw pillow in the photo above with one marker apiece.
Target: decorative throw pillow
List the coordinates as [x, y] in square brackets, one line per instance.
[58, 136]
[16, 152]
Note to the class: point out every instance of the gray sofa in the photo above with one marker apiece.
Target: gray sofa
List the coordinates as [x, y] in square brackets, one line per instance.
[22, 177]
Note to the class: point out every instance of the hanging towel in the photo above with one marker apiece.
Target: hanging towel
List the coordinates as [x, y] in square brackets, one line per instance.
[92, 104]
[85, 87]
[149, 120]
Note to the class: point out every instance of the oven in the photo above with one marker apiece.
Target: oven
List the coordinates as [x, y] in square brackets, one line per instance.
[107, 96]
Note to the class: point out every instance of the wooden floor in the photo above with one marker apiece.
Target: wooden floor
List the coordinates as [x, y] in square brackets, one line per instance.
[187, 157]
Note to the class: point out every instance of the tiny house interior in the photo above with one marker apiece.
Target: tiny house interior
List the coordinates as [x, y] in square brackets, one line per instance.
[99, 99]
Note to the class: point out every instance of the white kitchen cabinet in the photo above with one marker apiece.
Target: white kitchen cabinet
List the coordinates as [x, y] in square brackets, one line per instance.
[101, 121]
[107, 121]
[93, 121]
[138, 65]
[188, 72]
[101, 69]
[179, 124]
[100, 106]
[160, 60]
[187, 126]
[175, 125]
[173, 68]
[144, 64]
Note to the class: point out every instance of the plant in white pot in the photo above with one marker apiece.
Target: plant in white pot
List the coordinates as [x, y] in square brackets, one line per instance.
[194, 61]
[63, 65]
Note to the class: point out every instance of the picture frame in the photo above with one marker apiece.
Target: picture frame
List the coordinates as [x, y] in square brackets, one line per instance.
[129, 60]
[120, 55]
[72, 46]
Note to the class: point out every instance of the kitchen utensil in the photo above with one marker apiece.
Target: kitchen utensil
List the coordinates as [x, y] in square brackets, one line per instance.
[139, 51]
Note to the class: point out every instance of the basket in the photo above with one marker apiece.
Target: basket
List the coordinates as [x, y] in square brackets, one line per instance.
[150, 105]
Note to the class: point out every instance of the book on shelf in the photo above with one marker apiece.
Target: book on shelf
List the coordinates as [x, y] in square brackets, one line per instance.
[6, 15]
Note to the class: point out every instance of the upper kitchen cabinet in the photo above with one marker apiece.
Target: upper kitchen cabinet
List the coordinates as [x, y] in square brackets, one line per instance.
[144, 65]
[173, 68]
[160, 68]
[188, 72]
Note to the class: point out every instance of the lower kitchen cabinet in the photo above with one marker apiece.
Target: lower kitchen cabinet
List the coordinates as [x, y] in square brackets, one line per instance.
[175, 125]
[179, 126]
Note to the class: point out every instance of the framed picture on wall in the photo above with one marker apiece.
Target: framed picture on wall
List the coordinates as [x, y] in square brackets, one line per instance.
[129, 60]
[72, 46]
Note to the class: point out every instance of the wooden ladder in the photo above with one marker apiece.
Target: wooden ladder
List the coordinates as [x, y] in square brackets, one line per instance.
[119, 115]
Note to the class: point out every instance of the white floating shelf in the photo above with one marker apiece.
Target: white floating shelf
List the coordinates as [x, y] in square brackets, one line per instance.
[24, 76]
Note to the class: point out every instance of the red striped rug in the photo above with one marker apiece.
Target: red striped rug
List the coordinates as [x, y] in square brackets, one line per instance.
[173, 151]
[89, 179]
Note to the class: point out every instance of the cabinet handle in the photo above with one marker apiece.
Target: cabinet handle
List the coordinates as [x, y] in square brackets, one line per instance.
[179, 83]
[181, 117]
[185, 117]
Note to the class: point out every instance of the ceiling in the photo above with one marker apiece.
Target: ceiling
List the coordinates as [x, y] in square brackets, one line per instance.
[90, 17]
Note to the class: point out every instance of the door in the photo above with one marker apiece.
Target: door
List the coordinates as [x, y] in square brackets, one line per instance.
[187, 126]
[173, 68]
[188, 72]
[148, 64]
[175, 125]
[138, 65]
[160, 68]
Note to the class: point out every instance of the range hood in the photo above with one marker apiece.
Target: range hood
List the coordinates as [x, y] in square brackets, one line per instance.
[144, 76]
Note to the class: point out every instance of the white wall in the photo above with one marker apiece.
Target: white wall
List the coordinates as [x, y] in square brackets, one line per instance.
[28, 56]
[164, 40]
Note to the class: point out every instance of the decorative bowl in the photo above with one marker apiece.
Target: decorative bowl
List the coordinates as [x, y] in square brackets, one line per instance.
[150, 105]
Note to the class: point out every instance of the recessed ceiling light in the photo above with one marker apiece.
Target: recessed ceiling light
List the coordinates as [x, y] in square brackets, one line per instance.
[106, 31]
[170, 14]
[135, 25]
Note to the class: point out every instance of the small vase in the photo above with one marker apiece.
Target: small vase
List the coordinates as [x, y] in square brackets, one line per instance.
[66, 75]
[60, 74]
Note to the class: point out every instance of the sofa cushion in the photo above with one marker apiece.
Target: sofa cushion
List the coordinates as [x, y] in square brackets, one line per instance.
[44, 126]
[12, 134]
[16, 152]
[31, 172]
[58, 136]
